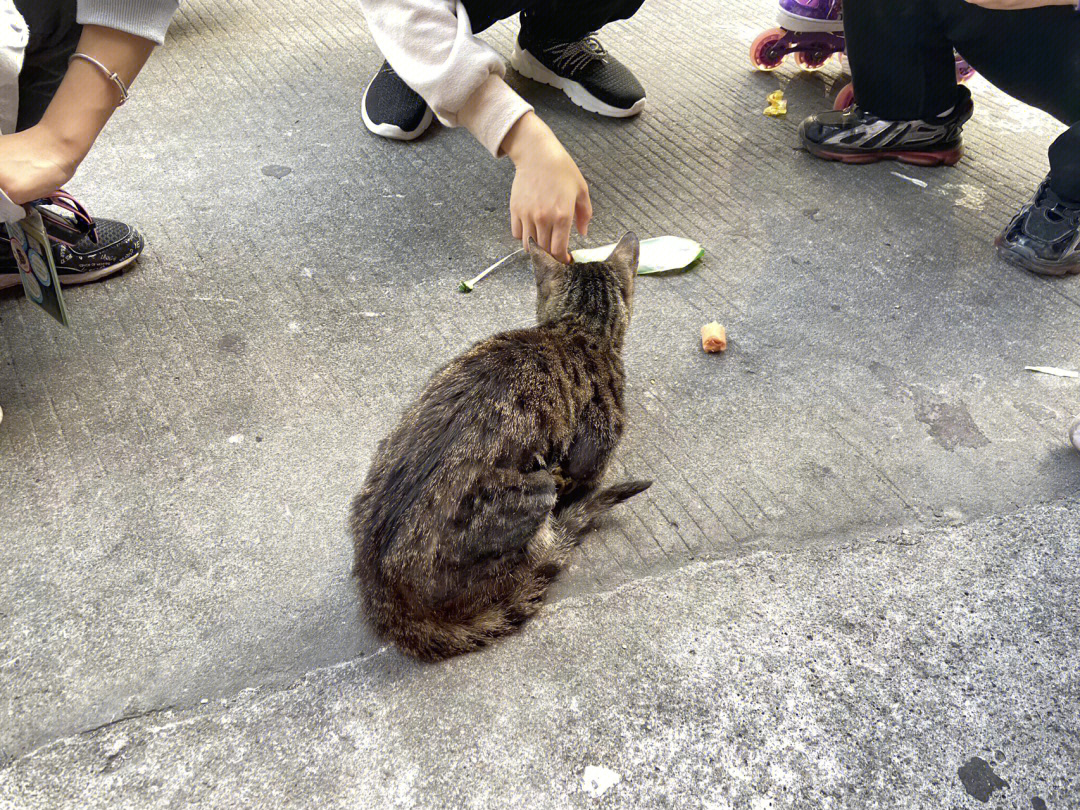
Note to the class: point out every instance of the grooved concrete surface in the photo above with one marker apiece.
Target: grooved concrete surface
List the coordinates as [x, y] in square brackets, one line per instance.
[176, 468]
[924, 670]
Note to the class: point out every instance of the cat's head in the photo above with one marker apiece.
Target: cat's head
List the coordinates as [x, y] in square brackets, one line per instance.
[599, 295]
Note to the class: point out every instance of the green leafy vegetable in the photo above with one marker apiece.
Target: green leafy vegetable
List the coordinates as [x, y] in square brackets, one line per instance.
[661, 254]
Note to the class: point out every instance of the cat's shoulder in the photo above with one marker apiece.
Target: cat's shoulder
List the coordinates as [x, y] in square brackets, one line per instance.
[513, 344]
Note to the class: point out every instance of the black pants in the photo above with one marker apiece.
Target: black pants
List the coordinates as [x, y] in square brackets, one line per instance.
[54, 34]
[901, 55]
[558, 20]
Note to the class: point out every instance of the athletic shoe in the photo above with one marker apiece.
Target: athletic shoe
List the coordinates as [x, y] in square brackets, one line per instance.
[588, 74]
[1044, 236]
[82, 251]
[392, 109]
[854, 135]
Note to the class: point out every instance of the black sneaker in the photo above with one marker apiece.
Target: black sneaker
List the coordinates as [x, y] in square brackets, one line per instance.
[80, 256]
[856, 136]
[1044, 237]
[588, 74]
[392, 109]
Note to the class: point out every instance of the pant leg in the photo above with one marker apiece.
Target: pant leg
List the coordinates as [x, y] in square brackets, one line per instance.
[552, 19]
[54, 35]
[566, 21]
[1034, 56]
[902, 63]
[1065, 164]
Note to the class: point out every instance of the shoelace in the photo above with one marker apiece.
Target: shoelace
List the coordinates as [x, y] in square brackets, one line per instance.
[573, 56]
[77, 224]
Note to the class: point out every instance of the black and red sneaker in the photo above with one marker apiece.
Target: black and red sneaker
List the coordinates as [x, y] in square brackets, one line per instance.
[854, 135]
[84, 249]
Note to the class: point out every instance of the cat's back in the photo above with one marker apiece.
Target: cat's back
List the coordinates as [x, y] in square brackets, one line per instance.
[500, 404]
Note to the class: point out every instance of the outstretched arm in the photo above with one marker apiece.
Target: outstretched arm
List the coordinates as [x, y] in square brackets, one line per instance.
[430, 45]
[549, 194]
[39, 160]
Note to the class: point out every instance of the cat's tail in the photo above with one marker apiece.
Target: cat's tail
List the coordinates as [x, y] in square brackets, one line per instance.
[585, 515]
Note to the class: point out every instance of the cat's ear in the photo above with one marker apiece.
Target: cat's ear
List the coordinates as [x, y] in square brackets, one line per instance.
[625, 257]
[549, 270]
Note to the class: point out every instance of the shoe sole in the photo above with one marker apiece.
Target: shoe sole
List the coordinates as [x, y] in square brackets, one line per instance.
[391, 131]
[9, 281]
[797, 24]
[530, 67]
[1034, 264]
[915, 157]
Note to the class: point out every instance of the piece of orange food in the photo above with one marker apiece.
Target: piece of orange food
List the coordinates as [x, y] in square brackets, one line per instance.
[713, 337]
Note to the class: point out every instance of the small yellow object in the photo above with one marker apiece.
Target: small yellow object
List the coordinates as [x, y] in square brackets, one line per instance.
[777, 105]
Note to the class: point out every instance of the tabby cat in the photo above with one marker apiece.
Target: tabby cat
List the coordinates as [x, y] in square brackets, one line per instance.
[476, 499]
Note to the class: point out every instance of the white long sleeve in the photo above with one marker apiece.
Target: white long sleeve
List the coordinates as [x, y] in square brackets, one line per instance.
[144, 18]
[430, 45]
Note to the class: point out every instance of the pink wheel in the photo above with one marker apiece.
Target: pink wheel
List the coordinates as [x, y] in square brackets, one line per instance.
[845, 98]
[763, 52]
[812, 60]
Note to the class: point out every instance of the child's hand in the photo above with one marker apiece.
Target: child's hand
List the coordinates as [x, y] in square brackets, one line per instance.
[549, 194]
[33, 165]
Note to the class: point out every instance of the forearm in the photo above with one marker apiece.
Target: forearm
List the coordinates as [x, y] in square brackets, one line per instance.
[86, 99]
[528, 139]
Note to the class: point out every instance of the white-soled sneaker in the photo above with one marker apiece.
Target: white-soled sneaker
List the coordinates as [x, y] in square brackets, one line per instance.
[591, 77]
[392, 109]
[84, 249]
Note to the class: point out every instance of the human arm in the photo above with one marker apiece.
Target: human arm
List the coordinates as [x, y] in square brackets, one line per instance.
[430, 45]
[549, 194]
[39, 160]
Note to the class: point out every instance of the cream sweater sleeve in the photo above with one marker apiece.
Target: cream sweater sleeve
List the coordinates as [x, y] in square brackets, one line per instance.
[430, 44]
[143, 18]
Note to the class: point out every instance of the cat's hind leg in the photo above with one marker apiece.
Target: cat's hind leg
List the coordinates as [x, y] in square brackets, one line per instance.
[502, 512]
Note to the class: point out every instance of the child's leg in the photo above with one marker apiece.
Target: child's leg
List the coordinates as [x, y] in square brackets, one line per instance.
[563, 21]
[54, 35]
[555, 18]
[1065, 163]
[902, 63]
[1034, 56]
[1044, 235]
